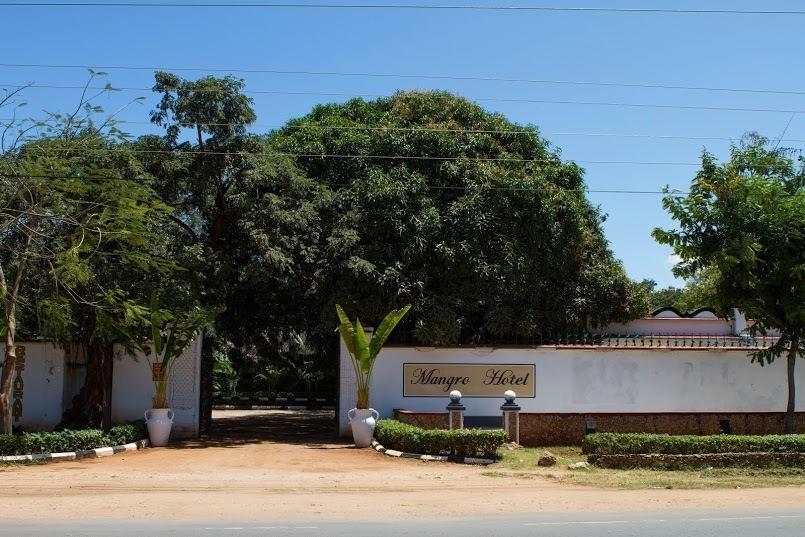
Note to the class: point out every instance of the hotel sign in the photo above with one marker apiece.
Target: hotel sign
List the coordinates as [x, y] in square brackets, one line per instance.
[472, 380]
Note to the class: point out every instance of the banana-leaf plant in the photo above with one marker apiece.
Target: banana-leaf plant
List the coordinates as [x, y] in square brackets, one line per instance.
[171, 334]
[364, 351]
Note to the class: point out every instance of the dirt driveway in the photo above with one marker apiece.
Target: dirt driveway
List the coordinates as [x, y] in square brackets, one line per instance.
[280, 464]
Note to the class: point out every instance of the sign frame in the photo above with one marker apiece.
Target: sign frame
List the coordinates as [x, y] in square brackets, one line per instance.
[533, 367]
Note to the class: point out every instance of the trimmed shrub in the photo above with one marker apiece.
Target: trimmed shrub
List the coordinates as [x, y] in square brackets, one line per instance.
[461, 443]
[126, 433]
[642, 443]
[705, 460]
[63, 441]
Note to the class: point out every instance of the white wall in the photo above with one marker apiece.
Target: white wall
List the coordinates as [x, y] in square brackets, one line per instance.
[44, 397]
[43, 379]
[133, 390]
[597, 380]
[660, 326]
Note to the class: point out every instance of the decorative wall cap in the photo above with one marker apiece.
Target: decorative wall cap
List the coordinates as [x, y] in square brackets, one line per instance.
[701, 313]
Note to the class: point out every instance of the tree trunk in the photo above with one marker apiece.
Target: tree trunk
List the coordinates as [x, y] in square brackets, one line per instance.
[7, 373]
[10, 362]
[792, 387]
[91, 408]
[6, 376]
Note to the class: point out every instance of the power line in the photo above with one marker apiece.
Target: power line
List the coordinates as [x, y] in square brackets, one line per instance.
[481, 99]
[339, 185]
[390, 128]
[350, 156]
[411, 7]
[411, 76]
[556, 161]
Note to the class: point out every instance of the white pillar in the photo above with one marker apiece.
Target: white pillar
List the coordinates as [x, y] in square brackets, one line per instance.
[739, 322]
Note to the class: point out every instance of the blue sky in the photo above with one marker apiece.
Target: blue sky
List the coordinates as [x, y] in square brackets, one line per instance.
[733, 51]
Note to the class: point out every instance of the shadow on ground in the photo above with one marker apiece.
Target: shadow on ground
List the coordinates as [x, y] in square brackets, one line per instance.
[313, 428]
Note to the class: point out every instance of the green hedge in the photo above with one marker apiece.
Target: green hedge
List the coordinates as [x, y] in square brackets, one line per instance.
[641, 443]
[64, 441]
[393, 434]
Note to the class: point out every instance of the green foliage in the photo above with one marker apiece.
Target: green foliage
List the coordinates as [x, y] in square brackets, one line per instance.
[364, 352]
[82, 233]
[484, 443]
[64, 441]
[126, 433]
[171, 334]
[499, 248]
[248, 221]
[643, 443]
[698, 292]
[744, 222]
[270, 377]
[224, 375]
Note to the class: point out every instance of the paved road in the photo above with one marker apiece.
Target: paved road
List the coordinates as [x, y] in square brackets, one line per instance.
[748, 523]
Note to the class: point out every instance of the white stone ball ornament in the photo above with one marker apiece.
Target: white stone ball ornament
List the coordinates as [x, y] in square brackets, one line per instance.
[455, 396]
[509, 396]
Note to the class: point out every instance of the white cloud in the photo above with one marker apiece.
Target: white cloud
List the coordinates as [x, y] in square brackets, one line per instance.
[673, 259]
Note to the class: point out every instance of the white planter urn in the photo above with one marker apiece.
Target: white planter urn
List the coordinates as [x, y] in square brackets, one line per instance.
[362, 421]
[159, 422]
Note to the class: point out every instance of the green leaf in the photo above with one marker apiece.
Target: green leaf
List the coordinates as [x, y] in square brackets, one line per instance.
[384, 330]
[362, 348]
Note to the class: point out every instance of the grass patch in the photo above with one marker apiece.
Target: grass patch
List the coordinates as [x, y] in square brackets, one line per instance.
[522, 464]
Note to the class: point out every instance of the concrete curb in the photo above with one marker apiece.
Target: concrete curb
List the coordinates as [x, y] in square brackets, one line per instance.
[96, 453]
[437, 458]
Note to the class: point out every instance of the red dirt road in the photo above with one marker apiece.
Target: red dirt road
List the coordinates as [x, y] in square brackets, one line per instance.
[278, 465]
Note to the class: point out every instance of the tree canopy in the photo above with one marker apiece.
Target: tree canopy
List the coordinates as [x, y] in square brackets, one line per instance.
[744, 220]
[422, 198]
[473, 219]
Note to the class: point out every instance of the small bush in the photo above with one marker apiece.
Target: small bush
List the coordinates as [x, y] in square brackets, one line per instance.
[641, 443]
[63, 441]
[127, 433]
[393, 434]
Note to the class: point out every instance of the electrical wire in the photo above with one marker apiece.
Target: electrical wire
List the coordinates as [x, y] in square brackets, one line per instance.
[556, 161]
[480, 99]
[429, 129]
[411, 7]
[408, 76]
[339, 185]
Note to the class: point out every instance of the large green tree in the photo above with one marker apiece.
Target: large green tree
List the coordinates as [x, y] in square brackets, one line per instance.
[744, 221]
[84, 239]
[79, 225]
[249, 218]
[474, 220]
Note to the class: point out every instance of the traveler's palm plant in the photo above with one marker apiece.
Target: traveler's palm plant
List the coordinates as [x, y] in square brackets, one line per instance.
[170, 336]
[364, 351]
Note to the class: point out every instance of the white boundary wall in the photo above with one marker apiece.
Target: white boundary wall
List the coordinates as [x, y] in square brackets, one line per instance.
[44, 395]
[43, 389]
[133, 390]
[588, 380]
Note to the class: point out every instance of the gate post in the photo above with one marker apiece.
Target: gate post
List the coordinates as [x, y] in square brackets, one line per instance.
[511, 416]
[455, 411]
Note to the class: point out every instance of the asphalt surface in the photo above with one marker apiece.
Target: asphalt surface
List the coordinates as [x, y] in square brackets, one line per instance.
[747, 523]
